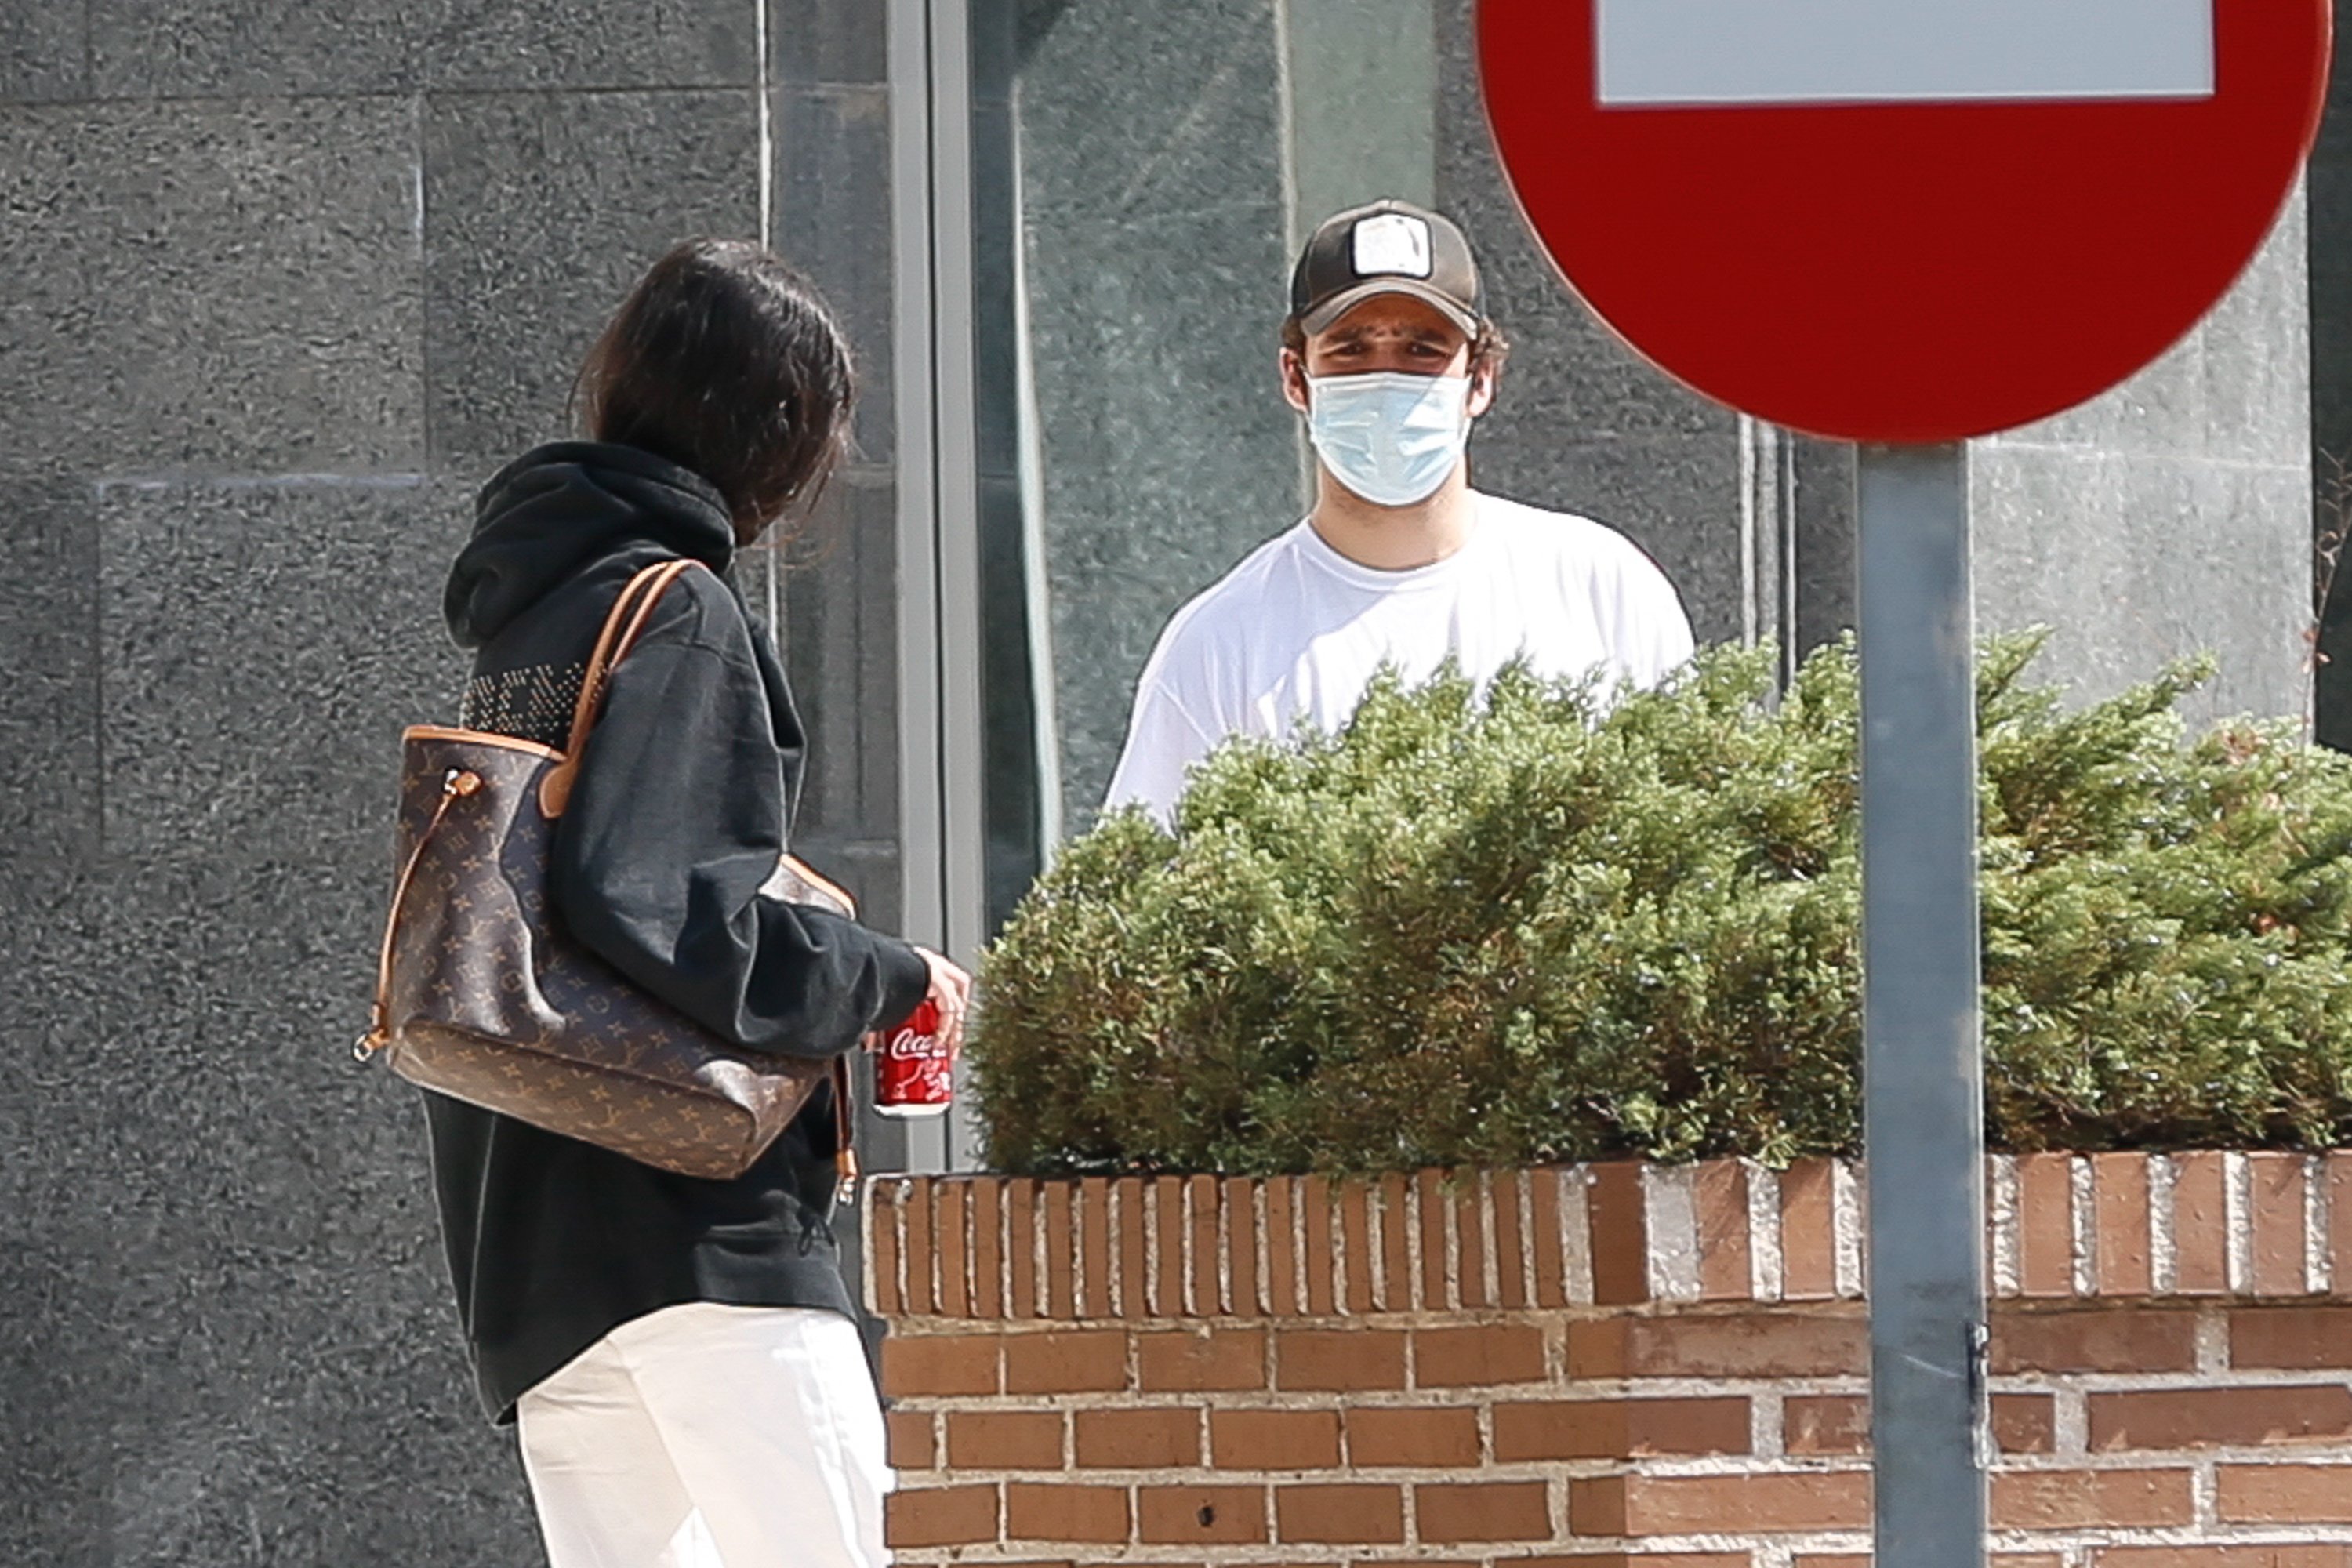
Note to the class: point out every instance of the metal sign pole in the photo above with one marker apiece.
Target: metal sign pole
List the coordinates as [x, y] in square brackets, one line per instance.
[1923, 1069]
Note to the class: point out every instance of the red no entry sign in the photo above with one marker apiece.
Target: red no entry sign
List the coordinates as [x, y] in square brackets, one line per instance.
[1902, 220]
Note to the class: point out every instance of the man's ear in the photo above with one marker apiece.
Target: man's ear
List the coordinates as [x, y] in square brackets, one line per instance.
[1293, 380]
[1483, 383]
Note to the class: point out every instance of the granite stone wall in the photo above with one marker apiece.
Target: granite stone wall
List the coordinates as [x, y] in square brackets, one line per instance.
[279, 285]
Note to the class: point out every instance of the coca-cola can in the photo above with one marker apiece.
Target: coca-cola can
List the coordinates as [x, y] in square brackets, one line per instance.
[914, 1070]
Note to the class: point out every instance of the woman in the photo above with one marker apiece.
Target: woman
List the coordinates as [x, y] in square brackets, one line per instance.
[681, 1356]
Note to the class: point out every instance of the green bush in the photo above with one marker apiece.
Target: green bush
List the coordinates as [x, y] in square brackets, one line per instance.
[1531, 930]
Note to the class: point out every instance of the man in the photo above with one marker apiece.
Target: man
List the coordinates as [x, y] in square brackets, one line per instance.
[1388, 354]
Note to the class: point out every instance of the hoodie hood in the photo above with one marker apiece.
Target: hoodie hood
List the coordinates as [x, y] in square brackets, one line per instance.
[558, 509]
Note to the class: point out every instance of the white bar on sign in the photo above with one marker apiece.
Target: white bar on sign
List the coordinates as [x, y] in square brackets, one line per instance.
[1699, 52]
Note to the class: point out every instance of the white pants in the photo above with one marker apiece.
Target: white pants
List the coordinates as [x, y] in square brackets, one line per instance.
[711, 1437]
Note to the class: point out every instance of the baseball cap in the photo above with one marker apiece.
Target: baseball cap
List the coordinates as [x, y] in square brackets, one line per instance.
[1387, 248]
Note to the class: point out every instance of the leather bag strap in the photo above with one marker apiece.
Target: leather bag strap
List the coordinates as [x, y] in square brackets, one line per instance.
[457, 785]
[845, 1132]
[622, 628]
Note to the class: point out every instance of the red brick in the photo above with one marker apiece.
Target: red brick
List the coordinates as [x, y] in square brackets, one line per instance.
[2025, 1423]
[1093, 1283]
[1483, 1511]
[2045, 1224]
[2221, 1417]
[1241, 1246]
[1168, 1259]
[911, 1442]
[1619, 1428]
[2314, 1555]
[1282, 1246]
[1048, 1511]
[2286, 1494]
[921, 1302]
[1551, 1263]
[1010, 1440]
[1275, 1439]
[1137, 1439]
[1840, 1423]
[988, 1248]
[1641, 1560]
[2093, 1340]
[1196, 1361]
[2339, 1177]
[1470, 1236]
[2277, 1222]
[1725, 1265]
[1747, 1505]
[1022, 1198]
[1061, 1234]
[2089, 1499]
[1510, 1241]
[1346, 1513]
[1134, 1260]
[1761, 1344]
[1315, 1261]
[1483, 1356]
[939, 1516]
[1437, 1261]
[949, 1234]
[1825, 1424]
[1331, 1360]
[1396, 1245]
[2119, 1224]
[1809, 1230]
[932, 1365]
[1356, 1238]
[1418, 1438]
[2291, 1339]
[1620, 1227]
[2201, 1232]
[1997, 1559]
[1076, 1361]
[1200, 1515]
[1208, 1298]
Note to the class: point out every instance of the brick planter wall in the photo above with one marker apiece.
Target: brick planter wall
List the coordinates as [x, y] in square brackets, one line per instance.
[1587, 1364]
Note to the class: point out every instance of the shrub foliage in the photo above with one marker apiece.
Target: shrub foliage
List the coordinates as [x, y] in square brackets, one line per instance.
[1545, 926]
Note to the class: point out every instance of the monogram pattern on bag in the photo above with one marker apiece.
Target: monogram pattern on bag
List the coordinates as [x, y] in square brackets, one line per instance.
[490, 1003]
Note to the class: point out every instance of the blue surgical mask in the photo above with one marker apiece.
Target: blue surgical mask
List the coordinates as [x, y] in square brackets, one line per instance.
[1391, 438]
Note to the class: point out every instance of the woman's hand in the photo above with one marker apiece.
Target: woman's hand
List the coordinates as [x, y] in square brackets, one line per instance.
[950, 993]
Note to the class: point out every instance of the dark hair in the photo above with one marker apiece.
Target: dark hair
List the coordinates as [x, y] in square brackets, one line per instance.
[1488, 349]
[726, 361]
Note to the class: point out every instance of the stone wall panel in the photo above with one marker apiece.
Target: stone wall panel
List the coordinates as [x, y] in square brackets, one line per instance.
[228, 285]
[541, 210]
[264, 644]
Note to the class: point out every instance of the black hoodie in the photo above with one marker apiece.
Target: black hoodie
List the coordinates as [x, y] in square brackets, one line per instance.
[679, 814]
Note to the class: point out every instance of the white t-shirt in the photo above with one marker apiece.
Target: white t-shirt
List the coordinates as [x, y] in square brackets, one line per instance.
[1298, 629]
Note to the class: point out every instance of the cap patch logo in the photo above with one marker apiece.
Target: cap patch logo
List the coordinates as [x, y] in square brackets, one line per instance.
[1393, 245]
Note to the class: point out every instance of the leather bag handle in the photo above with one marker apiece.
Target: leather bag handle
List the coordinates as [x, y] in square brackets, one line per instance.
[622, 628]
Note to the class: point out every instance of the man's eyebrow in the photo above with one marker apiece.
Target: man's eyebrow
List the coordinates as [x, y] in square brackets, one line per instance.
[1418, 334]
